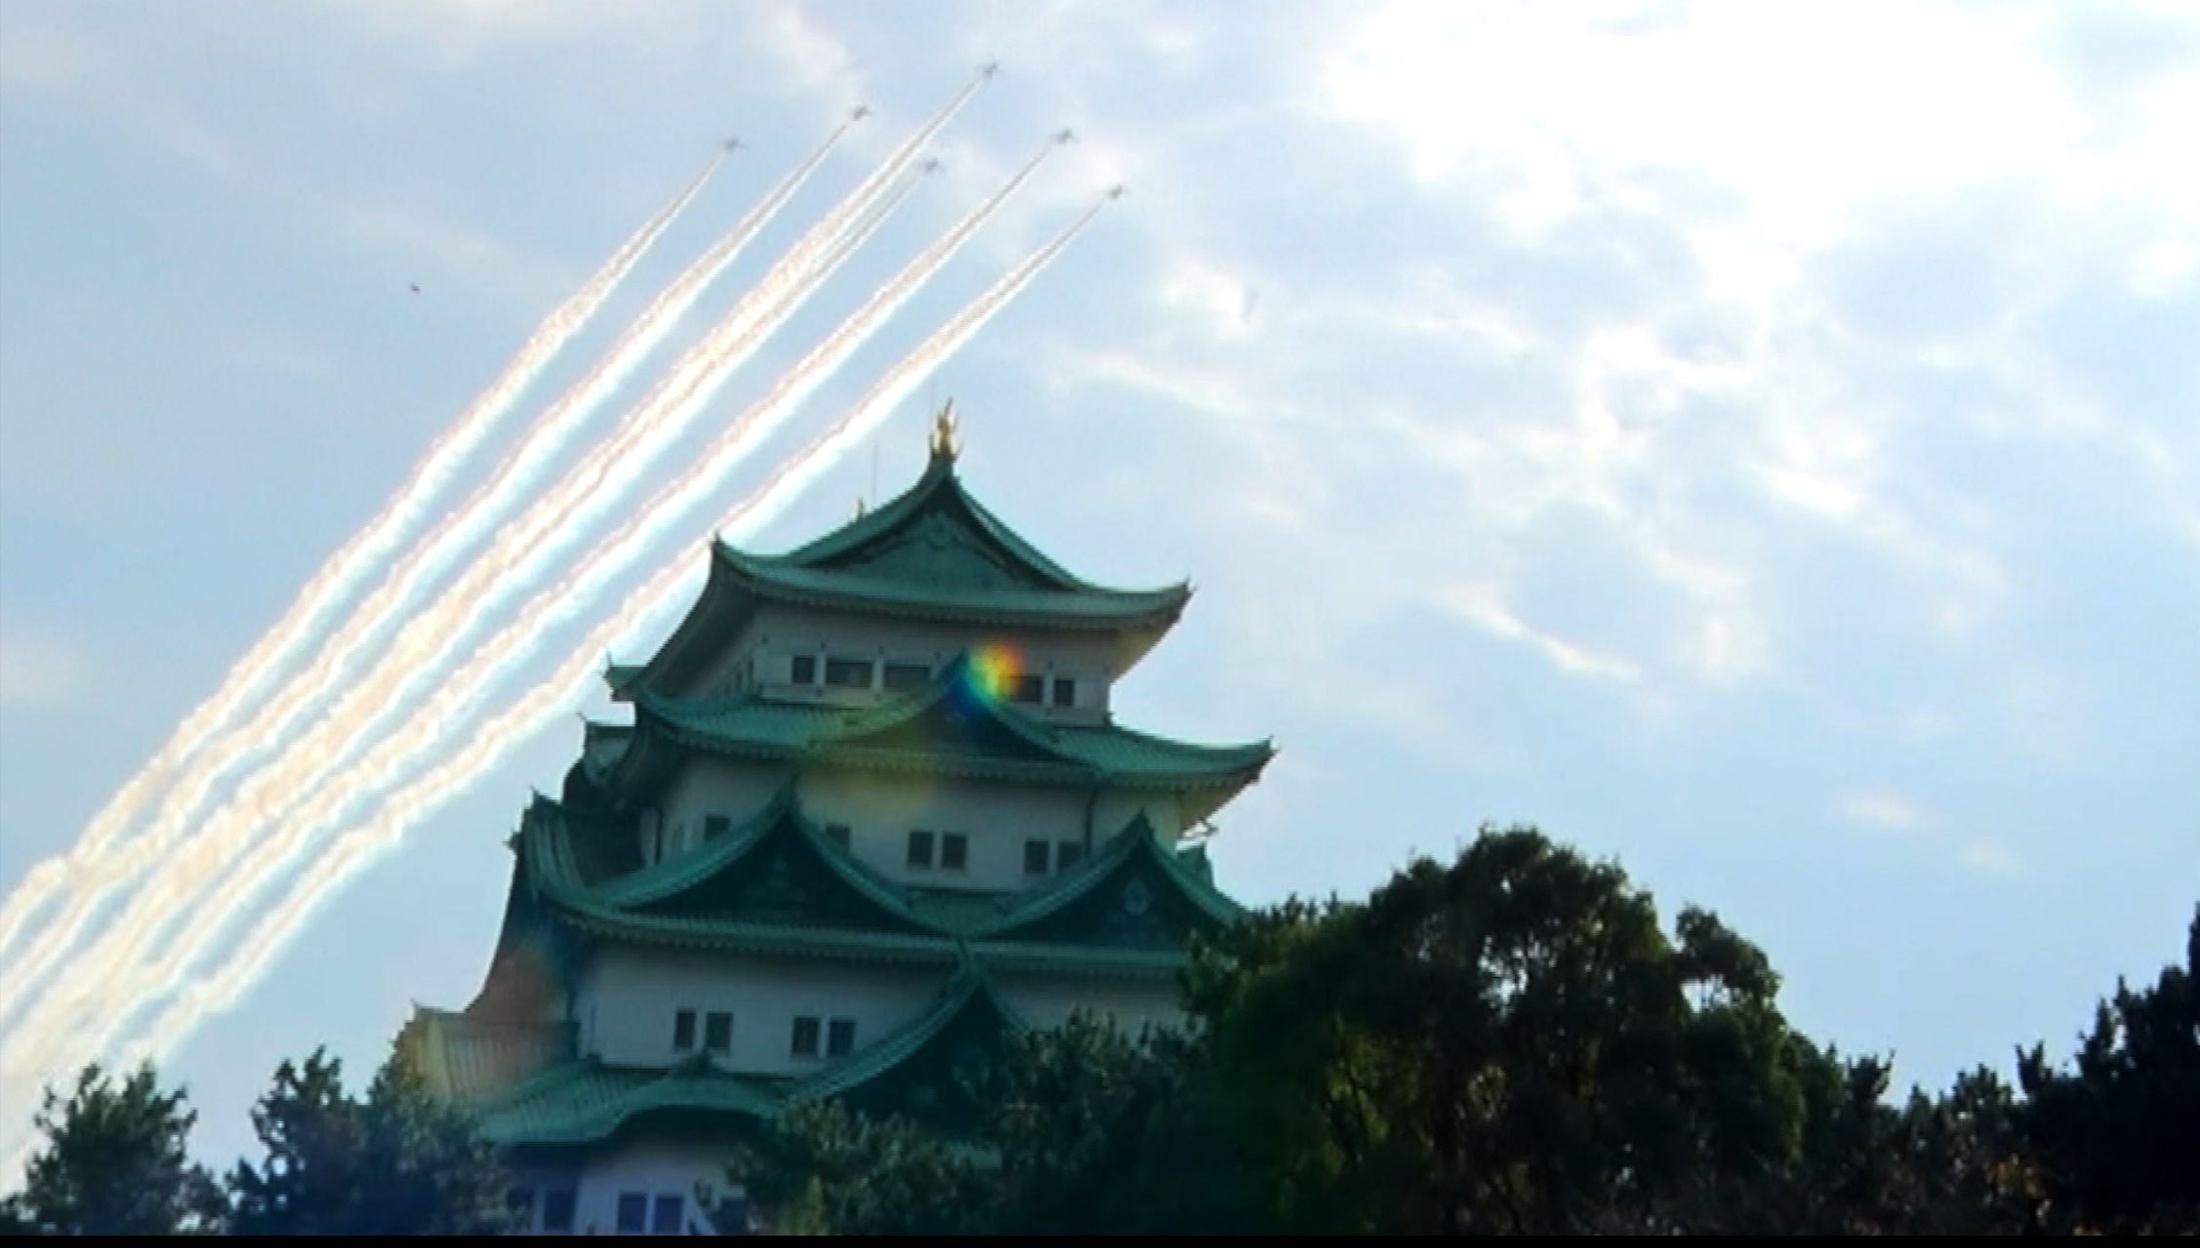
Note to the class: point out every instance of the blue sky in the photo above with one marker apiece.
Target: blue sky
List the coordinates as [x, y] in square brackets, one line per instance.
[1755, 442]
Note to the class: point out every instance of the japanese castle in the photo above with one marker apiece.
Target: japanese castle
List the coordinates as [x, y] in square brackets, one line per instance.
[872, 814]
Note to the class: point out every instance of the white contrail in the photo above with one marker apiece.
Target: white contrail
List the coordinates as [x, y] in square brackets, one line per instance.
[234, 894]
[323, 592]
[524, 540]
[548, 700]
[431, 555]
[61, 934]
[505, 486]
[521, 546]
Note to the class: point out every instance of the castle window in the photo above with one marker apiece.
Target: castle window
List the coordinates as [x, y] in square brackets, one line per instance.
[1068, 854]
[920, 848]
[805, 1037]
[902, 677]
[1065, 691]
[683, 1031]
[954, 851]
[633, 1213]
[837, 833]
[715, 826]
[668, 1212]
[1027, 688]
[848, 673]
[840, 1038]
[557, 1211]
[1035, 857]
[521, 1202]
[718, 1032]
[805, 669]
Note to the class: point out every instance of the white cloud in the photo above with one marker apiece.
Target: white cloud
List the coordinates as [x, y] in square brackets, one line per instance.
[1885, 810]
[1483, 607]
[38, 671]
[1991, 859]
[1805, 112]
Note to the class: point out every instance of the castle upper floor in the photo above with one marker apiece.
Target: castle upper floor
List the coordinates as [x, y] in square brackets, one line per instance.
[879, 606]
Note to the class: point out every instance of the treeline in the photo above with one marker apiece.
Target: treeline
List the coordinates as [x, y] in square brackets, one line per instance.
[1510, 1043]
[390, 1162]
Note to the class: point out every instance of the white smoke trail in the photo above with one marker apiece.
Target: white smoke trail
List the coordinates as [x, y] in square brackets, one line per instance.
[551, 430]
[234, 895]
[676, 399]
[269, 793]
[325, 590]
[507, 484]
[548, 700]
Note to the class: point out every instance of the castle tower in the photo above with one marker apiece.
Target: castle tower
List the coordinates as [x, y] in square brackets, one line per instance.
[872, 813]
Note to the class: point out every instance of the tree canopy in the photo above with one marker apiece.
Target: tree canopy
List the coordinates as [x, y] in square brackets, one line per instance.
[115, 1163]
[1510, 1042]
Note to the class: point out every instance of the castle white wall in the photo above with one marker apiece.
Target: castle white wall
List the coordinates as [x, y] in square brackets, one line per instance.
[880, 810]
[762, 655]
[712, 786]
[628, 998]
[642, 1167]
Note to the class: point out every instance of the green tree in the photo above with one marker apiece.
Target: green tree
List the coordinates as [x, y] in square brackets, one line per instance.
[1089, 1131]
[114, 1163]
[824, 1170]
[2117, 1136]
[1506, 1044]
[1100, 1132]
[395, 1163]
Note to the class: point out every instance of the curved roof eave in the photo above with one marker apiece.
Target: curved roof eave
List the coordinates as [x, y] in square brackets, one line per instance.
[1088, 608]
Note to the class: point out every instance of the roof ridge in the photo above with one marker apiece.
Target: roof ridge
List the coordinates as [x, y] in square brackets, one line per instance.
[1137, 834]
[671, 876]
[969, 984]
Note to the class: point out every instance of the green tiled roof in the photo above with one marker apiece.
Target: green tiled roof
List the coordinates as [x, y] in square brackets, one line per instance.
[585, 1101]
[969, 998]
[934, 553]
[1137, 845]
[920, 730]
[925, 597]
[844, 909]
[936, 548]
[469, 1059]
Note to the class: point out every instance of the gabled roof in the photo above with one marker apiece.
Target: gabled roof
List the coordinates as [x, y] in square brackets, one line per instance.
[776, 870]
[933, 553]
[913, 1071]
[470, 1060]
[778, 886]
[950, 727]
[585, 1101]
[1134, 892]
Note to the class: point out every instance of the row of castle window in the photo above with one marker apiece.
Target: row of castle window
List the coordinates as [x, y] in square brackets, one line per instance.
[944, 851]
[839, 1034]
[1027, 688]
[954, 852]
[557, 1209]
[639, 1214]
